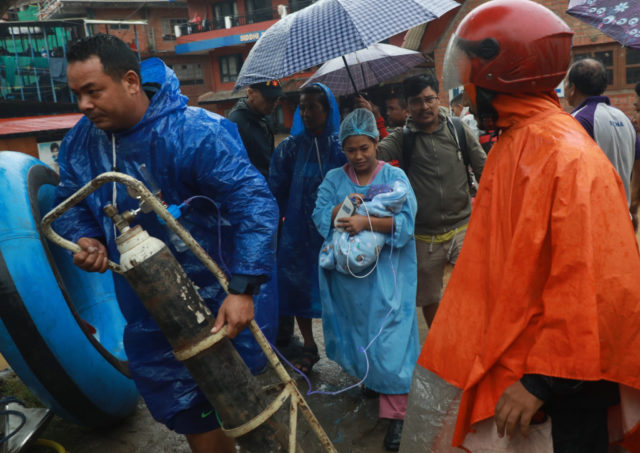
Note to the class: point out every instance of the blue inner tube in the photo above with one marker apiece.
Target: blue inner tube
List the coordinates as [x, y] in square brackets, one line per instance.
[60, 328]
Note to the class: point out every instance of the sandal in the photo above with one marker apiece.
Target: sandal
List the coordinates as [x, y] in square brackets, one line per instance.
[305, 361]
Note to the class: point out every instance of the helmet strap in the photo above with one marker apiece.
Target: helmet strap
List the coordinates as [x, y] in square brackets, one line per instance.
[483, 102]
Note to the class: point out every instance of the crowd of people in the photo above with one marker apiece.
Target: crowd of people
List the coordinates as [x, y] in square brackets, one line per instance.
[539, 318]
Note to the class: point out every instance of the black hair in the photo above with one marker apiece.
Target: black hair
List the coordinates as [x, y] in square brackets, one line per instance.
[589, 77]
[316, 90]
[638, 88]
[116, 57]
[457, 99]
[399, 96]
[414, 85]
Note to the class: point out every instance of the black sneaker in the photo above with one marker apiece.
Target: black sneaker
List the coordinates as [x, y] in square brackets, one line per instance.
[394, 433]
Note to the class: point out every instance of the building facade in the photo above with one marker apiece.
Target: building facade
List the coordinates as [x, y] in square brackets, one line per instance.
[149, 27]
[223, 32]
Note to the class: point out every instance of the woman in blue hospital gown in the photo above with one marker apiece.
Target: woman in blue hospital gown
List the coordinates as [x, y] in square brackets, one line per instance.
[356, 310]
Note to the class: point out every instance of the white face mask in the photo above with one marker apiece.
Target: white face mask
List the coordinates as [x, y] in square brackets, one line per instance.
[465, 111]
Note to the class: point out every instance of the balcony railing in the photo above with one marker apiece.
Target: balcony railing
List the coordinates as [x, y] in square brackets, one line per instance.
[297, 5]
[32, 60]
[259, 15]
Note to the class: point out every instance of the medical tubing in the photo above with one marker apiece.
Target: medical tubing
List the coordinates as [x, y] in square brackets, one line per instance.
[195, 197]
[306, 378]
[154, 203]
[349, 248]
[360, 348]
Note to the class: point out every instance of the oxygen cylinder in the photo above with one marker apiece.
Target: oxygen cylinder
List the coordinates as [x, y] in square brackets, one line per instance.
[172, 300]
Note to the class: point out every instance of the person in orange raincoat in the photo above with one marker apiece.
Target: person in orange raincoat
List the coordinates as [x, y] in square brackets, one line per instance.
[540, 322]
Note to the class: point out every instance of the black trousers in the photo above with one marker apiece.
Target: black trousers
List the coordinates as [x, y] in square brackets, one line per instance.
[579, 416]
[285, 331]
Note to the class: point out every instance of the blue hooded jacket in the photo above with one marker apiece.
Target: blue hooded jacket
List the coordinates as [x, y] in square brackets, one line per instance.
[298, 166]
[187, 151]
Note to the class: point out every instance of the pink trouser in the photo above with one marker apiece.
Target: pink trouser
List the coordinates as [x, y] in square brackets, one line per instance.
[393, 406]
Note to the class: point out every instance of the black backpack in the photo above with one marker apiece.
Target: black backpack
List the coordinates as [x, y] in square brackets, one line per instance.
[457, 132]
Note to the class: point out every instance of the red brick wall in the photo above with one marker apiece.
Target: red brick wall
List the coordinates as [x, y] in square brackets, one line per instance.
[155, 18]
[193, 91]
[149, 36]
[151, 42]
[584, 35]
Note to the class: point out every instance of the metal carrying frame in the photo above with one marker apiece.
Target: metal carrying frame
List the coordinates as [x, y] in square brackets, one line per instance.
[290, 389]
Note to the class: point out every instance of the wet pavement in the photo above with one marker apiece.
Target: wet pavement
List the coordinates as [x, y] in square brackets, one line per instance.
[350, 420]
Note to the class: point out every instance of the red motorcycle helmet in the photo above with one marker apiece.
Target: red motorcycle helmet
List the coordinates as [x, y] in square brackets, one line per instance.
[509, 46]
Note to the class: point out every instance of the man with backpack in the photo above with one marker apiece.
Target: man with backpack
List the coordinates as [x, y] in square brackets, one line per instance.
[435, 151]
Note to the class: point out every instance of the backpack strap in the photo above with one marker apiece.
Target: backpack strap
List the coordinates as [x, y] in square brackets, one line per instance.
[457, 131]
[408, 142]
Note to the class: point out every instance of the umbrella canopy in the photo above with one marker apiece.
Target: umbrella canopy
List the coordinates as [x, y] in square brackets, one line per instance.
[370, 66]
[618, 19]
[330, 28]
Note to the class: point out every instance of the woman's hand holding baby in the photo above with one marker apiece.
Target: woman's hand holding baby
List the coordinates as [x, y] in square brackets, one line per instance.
[354, 224]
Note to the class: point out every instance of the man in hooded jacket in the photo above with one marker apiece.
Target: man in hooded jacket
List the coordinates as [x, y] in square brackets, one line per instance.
[252, 115]
[137, 122]
[298, 166]
[545, 297]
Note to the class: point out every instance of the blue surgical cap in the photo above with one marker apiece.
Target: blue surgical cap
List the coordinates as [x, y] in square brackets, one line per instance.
[359, 122]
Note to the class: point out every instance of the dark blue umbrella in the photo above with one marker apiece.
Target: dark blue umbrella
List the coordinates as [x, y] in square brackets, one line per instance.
[373, 65]
[329, 29]
[618, 19]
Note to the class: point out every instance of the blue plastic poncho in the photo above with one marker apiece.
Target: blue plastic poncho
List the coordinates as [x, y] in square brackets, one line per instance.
[188, 151]
[298, 166]
[355, 309]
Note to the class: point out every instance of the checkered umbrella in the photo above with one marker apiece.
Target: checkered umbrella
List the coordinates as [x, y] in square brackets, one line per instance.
[618, 19]
[370, 66]
[330, 28]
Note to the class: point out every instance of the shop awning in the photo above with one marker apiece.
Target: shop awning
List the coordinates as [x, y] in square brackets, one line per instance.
[33, 124]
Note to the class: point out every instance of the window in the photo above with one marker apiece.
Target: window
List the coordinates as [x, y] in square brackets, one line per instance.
[188, 73]
[119, 26]
[230, 67]
[222, 10]
[622, 64]
[297, 5]
[258, 11]
[603, 56]
[169, 27]
[632, 61]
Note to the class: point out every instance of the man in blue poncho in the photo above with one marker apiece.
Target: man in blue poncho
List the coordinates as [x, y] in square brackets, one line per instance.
[137, 122]
[298, 166]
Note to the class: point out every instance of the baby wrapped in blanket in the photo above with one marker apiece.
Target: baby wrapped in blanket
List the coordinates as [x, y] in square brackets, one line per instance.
[355, 254]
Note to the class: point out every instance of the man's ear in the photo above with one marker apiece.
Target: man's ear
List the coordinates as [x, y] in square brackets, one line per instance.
[131, 82]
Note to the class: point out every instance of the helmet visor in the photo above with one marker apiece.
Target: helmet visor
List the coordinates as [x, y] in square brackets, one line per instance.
[456, 69]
